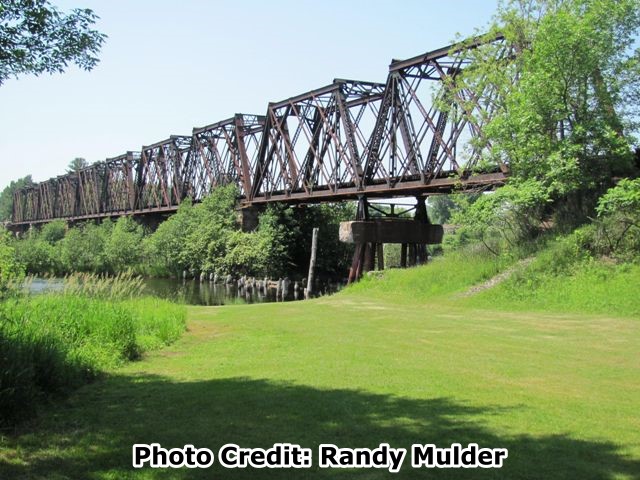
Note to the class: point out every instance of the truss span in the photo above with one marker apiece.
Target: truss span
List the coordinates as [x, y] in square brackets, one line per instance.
[412, 135]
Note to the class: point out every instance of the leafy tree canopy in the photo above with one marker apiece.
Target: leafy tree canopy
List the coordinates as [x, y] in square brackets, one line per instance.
[6, 196]
[77, 164]
[563, 90]
[36, 38]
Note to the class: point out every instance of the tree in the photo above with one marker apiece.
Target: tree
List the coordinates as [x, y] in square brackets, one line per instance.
[563, 100]
[6, 196]
[123, 249]
[36, 38]
[77, 164]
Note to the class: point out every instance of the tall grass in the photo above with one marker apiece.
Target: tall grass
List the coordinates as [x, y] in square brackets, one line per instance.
[52, 343]
[118, 287]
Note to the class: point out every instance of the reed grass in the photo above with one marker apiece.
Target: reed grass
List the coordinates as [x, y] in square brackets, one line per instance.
[54, 342]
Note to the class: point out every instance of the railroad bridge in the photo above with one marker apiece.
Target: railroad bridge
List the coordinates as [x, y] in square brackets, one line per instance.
[411, 136]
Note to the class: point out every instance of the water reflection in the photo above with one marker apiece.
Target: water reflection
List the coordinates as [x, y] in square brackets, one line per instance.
[194, 292]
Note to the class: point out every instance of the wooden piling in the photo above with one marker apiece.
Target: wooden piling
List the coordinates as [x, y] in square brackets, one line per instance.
[380, 254]
[403, 256]
[312, 263]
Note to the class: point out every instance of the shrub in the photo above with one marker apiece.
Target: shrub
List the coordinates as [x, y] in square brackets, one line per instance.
[123, 248]
[619, 221]
[11, 270]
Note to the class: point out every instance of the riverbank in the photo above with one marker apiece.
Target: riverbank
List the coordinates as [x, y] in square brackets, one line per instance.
[559, 390]
[55, 342]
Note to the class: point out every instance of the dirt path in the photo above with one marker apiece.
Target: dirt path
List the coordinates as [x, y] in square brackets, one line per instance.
[501, 277]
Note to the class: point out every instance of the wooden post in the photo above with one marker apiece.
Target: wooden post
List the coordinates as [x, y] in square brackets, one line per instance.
[312, 263]
[412, 254]
[403, 256]
[369, 257]
[380, 253]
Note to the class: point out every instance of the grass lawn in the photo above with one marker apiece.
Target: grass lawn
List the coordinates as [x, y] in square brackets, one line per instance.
[560, 391]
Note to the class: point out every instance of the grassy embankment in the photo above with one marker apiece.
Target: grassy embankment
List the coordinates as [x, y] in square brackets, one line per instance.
[406, 358]
[52, 343]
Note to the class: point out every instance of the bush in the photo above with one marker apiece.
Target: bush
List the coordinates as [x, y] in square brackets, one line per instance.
[83, 248]
[123, 248]
[618, 224]
[502, 219]
[11, 270]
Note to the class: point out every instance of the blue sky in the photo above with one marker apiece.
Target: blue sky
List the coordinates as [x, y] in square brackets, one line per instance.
[169, 66]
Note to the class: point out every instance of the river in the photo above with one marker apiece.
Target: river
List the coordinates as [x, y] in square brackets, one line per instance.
[194, 292]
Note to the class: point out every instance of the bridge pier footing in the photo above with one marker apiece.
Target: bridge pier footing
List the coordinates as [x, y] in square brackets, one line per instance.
[370, 234]
[249, 217]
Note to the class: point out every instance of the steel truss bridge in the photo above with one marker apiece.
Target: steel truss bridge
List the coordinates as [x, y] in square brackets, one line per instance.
[347, 140]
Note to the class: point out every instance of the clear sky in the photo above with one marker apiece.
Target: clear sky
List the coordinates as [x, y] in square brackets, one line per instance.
[169, 66]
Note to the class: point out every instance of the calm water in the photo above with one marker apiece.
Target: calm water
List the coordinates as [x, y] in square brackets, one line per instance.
[193, 292]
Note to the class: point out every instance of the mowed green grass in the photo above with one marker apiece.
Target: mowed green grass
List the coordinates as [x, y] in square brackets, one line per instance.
[560, 391]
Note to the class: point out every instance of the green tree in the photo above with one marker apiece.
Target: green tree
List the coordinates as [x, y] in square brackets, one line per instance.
[619, 220]
[165, 248]
[6, 196]
[564, 97]
[123, 249]
[54, 231]
[36, 38]
[83, 248]
[77, 164]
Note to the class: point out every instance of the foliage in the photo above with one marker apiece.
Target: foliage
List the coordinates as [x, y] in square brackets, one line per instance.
[193, 239]
[39, 256]
[54, 342]
[206, 238]
[505, 217]
[164, 248]
[560, 95]
[440, 208]
[77, 164]
[11, 270]
[35, 37]
[333, 257]
[617, 229]
[201, 238]
[53, 232]
[123, 247]
[6, 196]
[623, 200]
[83, 249]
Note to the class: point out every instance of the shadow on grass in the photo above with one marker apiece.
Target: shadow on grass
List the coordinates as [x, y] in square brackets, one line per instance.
[90, 436]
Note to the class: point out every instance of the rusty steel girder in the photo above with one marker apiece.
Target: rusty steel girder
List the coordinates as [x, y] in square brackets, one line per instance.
[160, 173]
[315, 141]
[119, 183]
[222, 153]
[416, 134]
[426, 125]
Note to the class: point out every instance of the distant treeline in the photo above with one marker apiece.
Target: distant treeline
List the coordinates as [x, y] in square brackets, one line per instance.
[200, 238]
